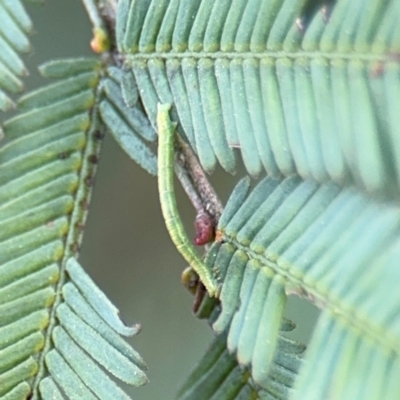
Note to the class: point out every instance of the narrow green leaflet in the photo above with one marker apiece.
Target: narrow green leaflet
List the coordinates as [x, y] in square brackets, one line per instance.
[331, 245]
[14, 30]
[126, 120]
[58, 331]
[308, 93]
[218, 376]
[307, 88]
[250, 329]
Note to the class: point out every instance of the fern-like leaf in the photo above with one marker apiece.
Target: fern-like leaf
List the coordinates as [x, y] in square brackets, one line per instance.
[219, 377]
[331, 245]
[14, 30]
[250, 322]
[308, 88]
[57, 330]
[126, 120]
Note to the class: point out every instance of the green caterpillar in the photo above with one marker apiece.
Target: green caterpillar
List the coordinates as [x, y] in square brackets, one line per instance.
[166, 133]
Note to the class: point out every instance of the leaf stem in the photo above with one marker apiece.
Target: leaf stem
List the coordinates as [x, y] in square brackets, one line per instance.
[195, 182]
[94, 14]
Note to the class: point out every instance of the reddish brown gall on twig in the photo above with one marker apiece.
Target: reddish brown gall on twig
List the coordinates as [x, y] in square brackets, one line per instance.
[205, 228]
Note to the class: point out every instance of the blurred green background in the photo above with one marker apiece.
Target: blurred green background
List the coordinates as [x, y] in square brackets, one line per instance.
[126, 248]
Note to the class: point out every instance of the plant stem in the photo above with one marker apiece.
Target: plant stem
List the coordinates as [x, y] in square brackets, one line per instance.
[93, 13]
[195, 183]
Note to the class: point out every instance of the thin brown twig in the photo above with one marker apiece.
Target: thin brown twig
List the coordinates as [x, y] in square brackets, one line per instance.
[195, 182]
[186, 182]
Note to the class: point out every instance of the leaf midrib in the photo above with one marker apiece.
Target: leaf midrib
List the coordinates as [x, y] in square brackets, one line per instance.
[348, 314]
[74, 237]
[370, 57]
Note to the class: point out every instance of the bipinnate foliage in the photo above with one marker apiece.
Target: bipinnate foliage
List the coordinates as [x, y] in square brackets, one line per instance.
[58, 332]
[300, 87]
[309, 93]
[14, 28]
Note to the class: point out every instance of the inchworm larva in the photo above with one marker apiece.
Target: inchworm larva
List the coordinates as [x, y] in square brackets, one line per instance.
[166, 137]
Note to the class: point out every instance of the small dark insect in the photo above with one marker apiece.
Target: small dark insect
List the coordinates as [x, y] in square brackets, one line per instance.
[205, 228]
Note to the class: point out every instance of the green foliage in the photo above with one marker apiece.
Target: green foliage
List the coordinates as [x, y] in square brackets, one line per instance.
[297, 86]
[276, 246]
[15, 26]
[250, 324]
[301, 88]
[218, 376]
[126, 120]
[308, 91]
[58, 331]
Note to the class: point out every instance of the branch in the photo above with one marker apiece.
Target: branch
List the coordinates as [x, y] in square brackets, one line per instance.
[196, 180]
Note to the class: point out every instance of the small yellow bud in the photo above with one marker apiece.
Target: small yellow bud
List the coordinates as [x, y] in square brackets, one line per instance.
[100, 42]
